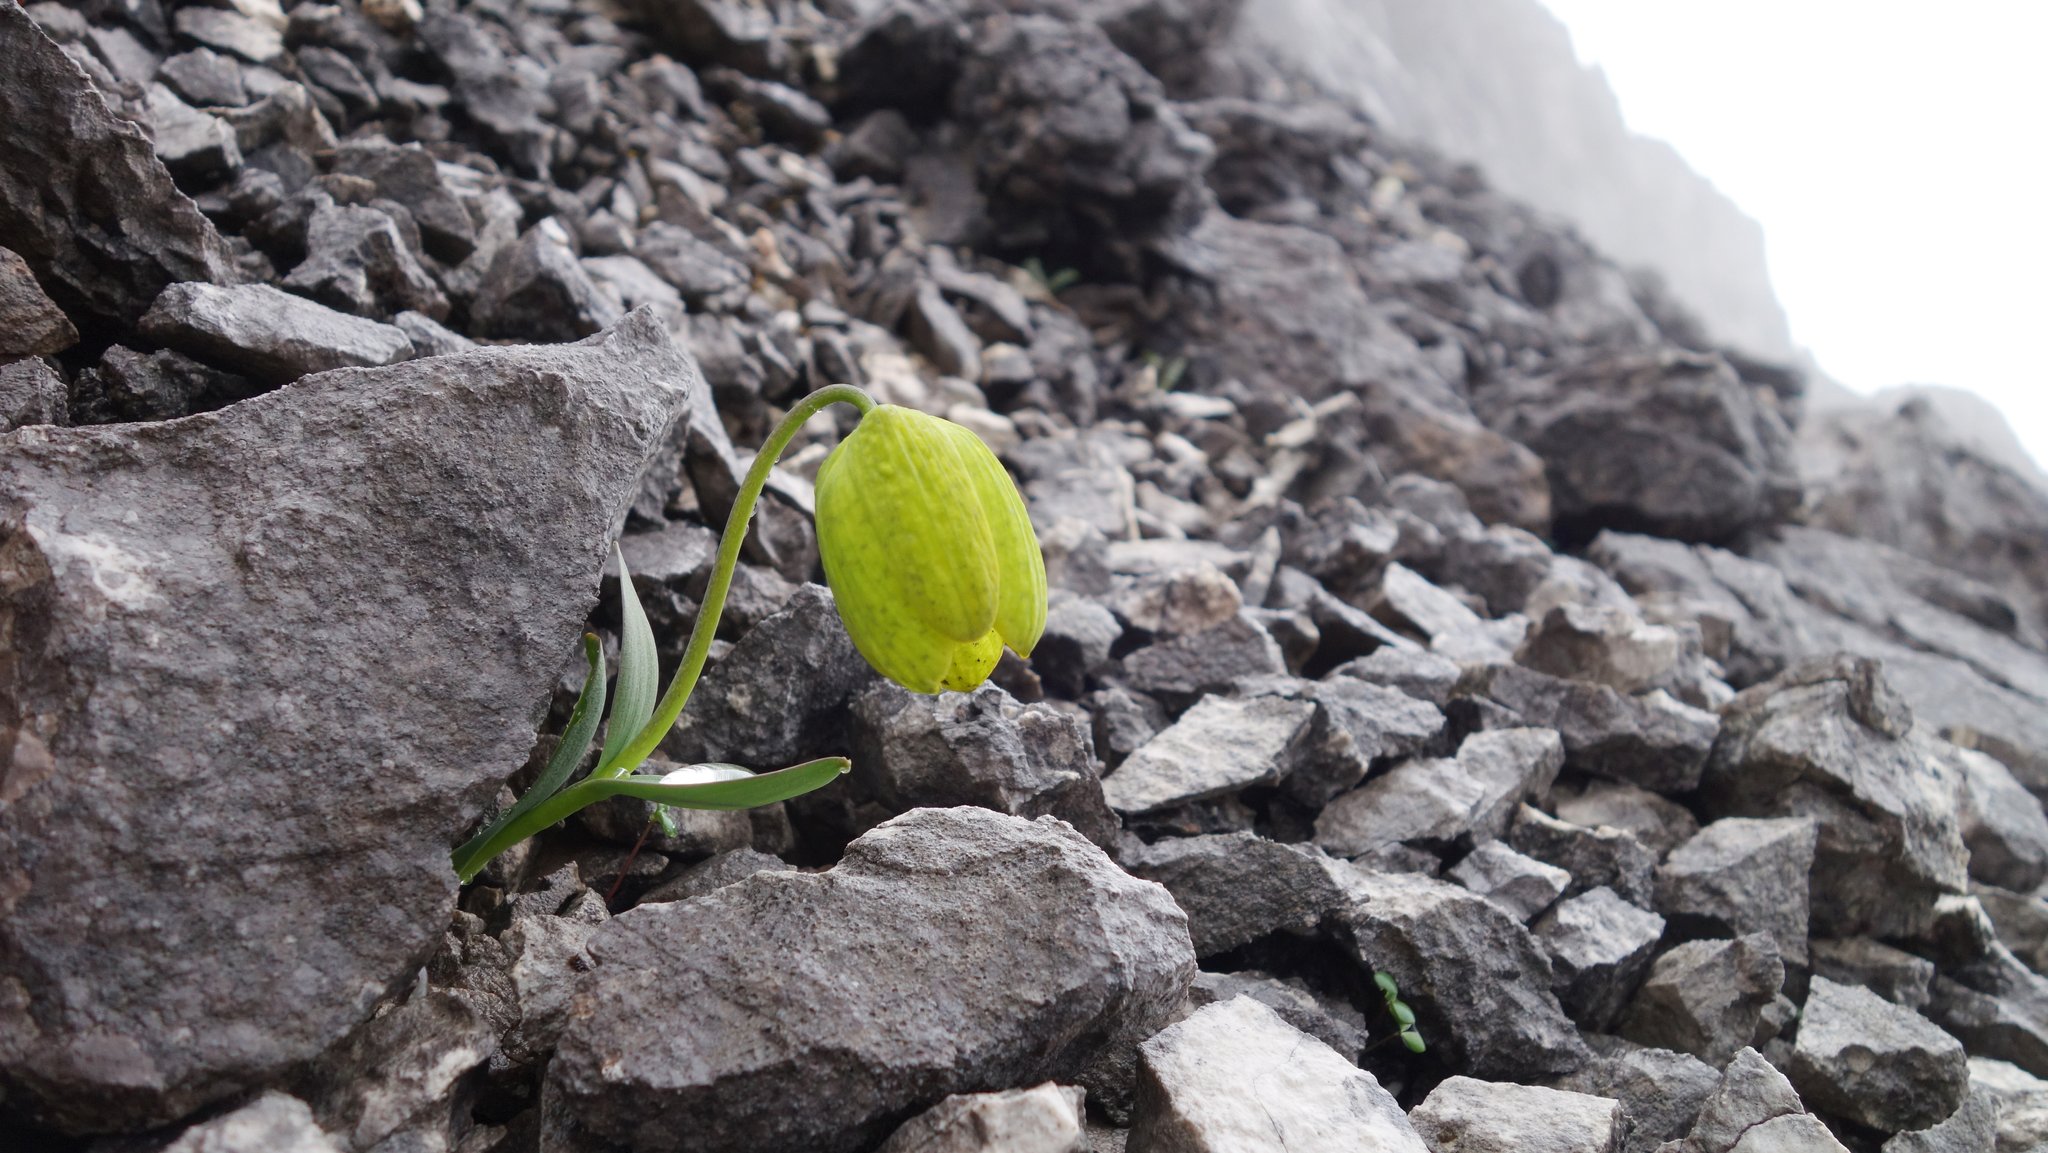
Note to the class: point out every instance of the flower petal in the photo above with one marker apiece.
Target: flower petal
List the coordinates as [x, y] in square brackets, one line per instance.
[1020, 566]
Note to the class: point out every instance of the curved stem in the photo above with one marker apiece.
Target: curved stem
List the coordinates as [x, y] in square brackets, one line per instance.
[671, 705]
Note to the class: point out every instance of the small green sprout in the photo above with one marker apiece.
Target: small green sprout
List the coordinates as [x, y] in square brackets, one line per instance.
[1054, 283]
[1166, 370]
[934, 567]
[1404, 1017]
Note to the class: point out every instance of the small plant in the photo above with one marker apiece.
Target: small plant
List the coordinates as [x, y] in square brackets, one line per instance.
[1166, 370]
[934, 567]
[1404, 1017]
[1054, 283]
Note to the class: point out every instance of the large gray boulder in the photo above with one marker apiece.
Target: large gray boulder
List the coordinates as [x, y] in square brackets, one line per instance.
[83, 197]
[259, 691]
[1883, 1065]
[949, 951]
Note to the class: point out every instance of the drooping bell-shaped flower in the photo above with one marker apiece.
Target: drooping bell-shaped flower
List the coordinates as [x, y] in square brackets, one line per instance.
[929, 551]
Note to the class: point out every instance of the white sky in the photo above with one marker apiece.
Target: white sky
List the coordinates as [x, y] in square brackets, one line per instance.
[1896, 154]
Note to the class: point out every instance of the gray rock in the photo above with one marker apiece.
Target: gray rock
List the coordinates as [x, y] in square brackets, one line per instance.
[253, 40]
[2022, 1103]
[409, 176]
[1668, 442]
[1524, 886]
[1183, 668]
[949, 951]
[1422, 675]
[1600, 946]
[429, 336]
[1593, 857]
[395, 1079]
[1895, 975]
[1740, 876]
[502, 97]
[2021, 922]
[1124, 721]
[1466, 1116]
[1355, 725]
[1334, 1023]
[1238, 887]
[270, 335]
[1178, 601]
[1661, 825]
[1878, 1064]
[1220, 746]
[1407, 601]
[197, 148]
[1751, 1094]
[205, 78]
[780, 696]
[1830, 741]
[1046, 1119]
[1660, 1091]
[1705, 997]
[1654, 741]
[937, 331]
[981, 748]
[170, 634]
[2003, 825]
[1996, 1006]
[1604, 645]
[272, 1123]
[1075, 646]
[31, 392]
[1972, 1128]
[1794, 1134]
[699, 270]
[1069, 131]
[164, 385]
[728, 868]
[30, 323]
[83, 197]
[1234, 1076]
[1471, 797]
[358, 261]
[1498, 1018]
[537, 290]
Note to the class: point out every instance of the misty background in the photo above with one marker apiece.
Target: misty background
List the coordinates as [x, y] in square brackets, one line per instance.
[1855, 188]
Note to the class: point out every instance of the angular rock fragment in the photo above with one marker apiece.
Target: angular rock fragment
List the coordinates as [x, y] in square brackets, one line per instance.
[1878, 1064]
[1751, 1095]
[1355, 725]
[1238, 887]
[950, 951]
[2003, 825]
[31, 392]
[1183, 668]
[1705, 997]
[83, 197]
[1236, 1076]
[2022, 1103]
[1600, 947]
[1045, 1119]
[1218, 747]
[1334, 1023]
[1601, 644]
[394, 1080]
[1740, 876]
[357, 260]
[30, 324]
[167, 628]
[1593, 857]
[1479, 984]
[1654, 741]
[1972, 1128]
[273, 1123]
[1996, 1006]
[1472, 796]
[1661, 825]
[164, 385]
[197, 148]
[1667, 442]
[1524, 886]
[270, 335]
[981, 748]
[537, 290]
[1895, 975]
[1467, 1116]
[409, 176]
[1829, 740]
[1660, 1091]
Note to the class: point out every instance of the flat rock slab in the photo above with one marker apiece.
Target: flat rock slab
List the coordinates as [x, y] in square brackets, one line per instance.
[1046, 1119]
[949, 951]
[271, 335]
[1218, 747]
[1467, 1116]
[83, 197]
[1235, 1078]
[266, 664]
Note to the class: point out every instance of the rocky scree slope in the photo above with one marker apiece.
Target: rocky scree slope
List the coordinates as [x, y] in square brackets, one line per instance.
[1428, 601]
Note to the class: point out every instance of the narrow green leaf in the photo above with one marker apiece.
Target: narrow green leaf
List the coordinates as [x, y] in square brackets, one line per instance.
[666, 814]
[639, 672]
[747, 793]
[568, 754]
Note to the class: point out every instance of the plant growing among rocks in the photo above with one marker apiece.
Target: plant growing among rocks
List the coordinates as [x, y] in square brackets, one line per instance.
[933, 565]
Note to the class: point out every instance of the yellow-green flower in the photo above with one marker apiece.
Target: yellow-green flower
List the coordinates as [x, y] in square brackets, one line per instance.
[929, 551]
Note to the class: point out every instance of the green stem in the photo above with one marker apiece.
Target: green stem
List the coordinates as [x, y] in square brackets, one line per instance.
[671, 705]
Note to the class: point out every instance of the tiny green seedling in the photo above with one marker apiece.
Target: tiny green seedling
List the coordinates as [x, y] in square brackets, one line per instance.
[1404, 1017]
[1054, 283]
[933, 565]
